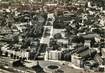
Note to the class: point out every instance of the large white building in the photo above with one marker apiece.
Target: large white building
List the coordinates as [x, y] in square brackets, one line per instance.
[52, 55]
[20, 54]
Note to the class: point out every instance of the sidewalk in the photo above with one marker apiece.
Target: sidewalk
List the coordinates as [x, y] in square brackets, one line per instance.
[75, 67]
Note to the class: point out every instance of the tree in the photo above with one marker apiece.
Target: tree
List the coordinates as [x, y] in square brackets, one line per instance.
[57, 36]
[78, 39]
[18, 63]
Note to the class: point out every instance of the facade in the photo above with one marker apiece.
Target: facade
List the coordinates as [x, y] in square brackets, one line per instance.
[18, 54]
[53, 55]
[76, 60]
[87, 43]
[103, 52]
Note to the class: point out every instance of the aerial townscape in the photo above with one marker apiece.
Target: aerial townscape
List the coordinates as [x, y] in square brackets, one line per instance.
[52, 36]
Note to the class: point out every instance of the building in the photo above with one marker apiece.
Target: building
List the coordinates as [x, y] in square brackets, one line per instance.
[87, 43]
[76, 60]
[103, 52]
[53, 55]
[15, 54]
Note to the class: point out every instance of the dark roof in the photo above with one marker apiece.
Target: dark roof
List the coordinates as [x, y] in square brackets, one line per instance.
[81, 49]
[88, 53]
[89, 36]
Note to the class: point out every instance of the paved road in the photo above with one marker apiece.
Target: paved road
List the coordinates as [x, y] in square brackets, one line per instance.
[65, 67]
